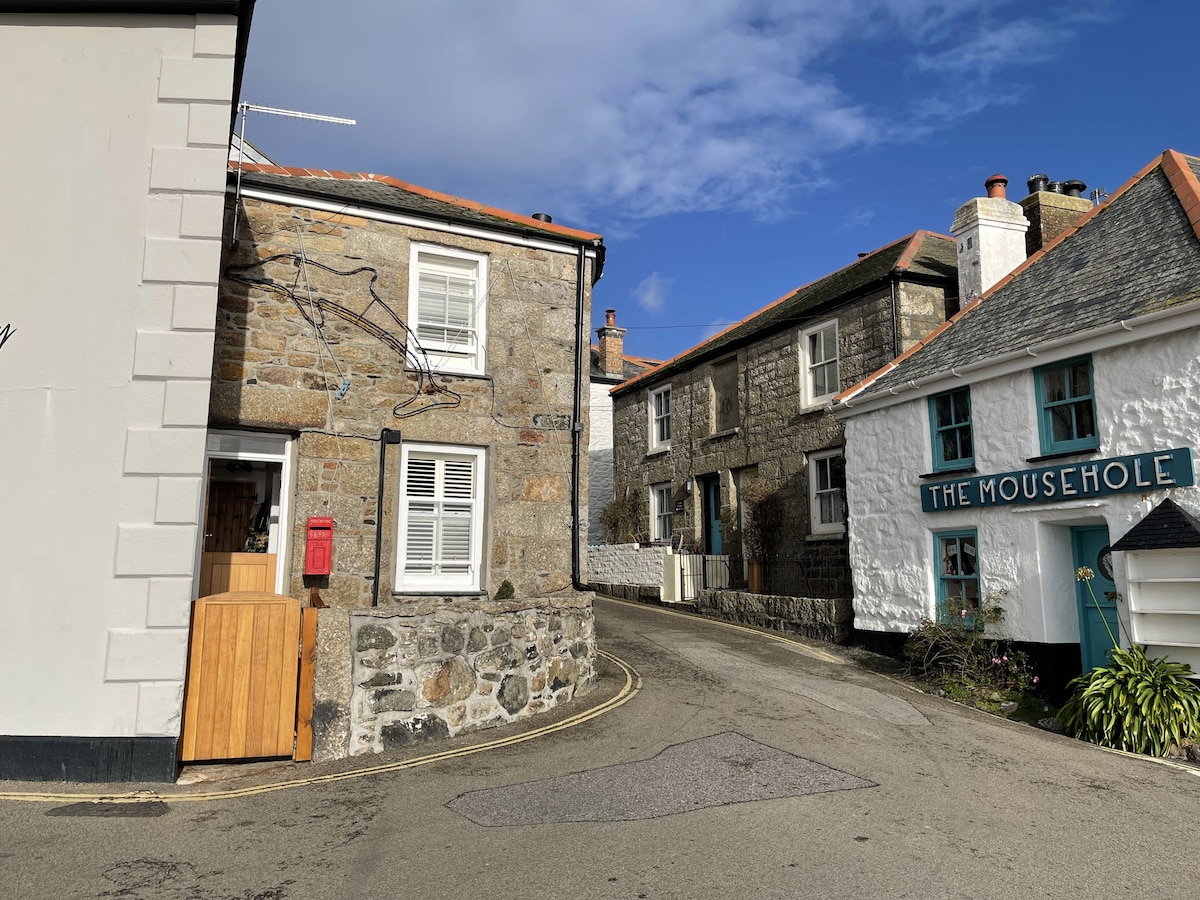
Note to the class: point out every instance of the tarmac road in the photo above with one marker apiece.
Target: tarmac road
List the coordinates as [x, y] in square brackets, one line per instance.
[740, 766]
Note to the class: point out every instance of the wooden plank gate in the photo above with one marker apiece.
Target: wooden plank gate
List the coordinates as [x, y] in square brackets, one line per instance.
[249, 690]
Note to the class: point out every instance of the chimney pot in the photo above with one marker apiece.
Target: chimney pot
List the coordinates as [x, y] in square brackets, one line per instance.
[1037, 183]
[1074, 188]
[611, 344]
[1055, 187]
[996, 186]
[543, 217]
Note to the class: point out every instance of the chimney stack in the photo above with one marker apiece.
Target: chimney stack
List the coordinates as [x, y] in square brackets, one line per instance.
[1051, 207]
[611, 341]
[990, 233]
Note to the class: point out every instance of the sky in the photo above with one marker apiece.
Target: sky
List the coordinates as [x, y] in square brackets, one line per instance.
[729, 151]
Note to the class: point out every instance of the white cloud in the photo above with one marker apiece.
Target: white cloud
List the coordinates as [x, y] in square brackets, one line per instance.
[613, 112]
[651, 292]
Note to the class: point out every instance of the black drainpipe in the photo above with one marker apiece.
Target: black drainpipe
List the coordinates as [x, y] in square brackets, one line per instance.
[387, 436]
[576, 417]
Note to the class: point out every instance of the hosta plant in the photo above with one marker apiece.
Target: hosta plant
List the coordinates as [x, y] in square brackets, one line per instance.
[1134, 703]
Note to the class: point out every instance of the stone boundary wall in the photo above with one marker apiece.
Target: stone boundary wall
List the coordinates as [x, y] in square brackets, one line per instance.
[642, 593]
[821, 619]
[626, 564]
[391, 676]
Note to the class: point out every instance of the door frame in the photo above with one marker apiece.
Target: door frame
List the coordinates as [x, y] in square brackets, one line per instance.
[1089, 658]
[253, 446]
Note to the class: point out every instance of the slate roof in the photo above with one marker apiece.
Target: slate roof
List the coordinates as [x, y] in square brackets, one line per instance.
[631, 367]
[920, 256]
[386, 193]
[1166, 527]
[1136, 254]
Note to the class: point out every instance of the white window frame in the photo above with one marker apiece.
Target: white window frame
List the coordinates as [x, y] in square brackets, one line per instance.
[468, 357]
[662, 508]
[455, 582]
[655, 420]
[808, 395]
[815, 493]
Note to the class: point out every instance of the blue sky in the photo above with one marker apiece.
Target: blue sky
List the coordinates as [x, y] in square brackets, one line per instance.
[728, 150]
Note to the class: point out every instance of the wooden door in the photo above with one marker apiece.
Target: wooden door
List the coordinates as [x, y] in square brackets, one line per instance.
[224, 572]
[1099, 626]
[241, 694]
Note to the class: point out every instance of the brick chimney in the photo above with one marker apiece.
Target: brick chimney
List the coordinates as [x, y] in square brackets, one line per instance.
[990, 233]
[1051, 208]
[612, 346]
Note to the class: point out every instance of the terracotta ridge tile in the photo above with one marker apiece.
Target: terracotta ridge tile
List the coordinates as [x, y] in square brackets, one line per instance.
[1185, 184]
[475, 206]
[910, 252]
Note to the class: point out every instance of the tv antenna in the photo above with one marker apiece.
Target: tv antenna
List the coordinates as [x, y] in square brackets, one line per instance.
[1097, 195]
[244, 108]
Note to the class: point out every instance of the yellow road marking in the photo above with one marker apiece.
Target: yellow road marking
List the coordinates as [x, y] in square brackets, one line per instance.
[633, 684]
[778, 638]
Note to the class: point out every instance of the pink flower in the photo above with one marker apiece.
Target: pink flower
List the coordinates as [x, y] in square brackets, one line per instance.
[995, 661]
[1035, 679]
[1004, 658]
[963, 612]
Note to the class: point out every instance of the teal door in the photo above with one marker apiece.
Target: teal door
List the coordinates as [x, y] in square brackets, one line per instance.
[1097, 618]
[711, 505]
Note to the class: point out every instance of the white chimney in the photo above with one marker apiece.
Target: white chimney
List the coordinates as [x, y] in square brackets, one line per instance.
[990, 233]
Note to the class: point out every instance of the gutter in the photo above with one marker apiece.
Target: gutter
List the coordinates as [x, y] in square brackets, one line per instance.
[1017, 360]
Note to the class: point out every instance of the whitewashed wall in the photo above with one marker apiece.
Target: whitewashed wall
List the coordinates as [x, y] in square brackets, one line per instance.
[1148, 398]
[113, 172]
[626, 564]
[600, 460]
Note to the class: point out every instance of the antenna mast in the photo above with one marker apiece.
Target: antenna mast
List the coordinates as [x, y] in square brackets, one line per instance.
[244, 108]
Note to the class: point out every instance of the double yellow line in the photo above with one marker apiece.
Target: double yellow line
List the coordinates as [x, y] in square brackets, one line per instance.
[632, 685]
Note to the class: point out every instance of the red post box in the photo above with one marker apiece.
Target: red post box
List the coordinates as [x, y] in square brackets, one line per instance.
[318, 551]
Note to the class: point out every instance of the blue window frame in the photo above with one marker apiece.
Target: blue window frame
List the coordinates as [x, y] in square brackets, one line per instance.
[1066, 406]
[956, 566]
[950, 430]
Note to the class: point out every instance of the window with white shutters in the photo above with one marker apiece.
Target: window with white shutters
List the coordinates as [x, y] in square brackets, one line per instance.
[447, 307]
[441, 525]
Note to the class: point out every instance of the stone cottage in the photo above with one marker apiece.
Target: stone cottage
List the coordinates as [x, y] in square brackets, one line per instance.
[1050, 426]
[749, 410]
[397, 430]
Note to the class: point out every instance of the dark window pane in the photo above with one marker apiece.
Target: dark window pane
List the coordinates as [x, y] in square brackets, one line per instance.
[1085, 419]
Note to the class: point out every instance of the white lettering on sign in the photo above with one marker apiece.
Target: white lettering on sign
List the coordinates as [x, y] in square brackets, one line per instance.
[1161, 477]
[1121, 470]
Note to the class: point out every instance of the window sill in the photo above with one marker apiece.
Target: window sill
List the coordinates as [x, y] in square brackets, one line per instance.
[657, 451]
[454, 373]
[822, 405]
[826, 536]
[728, 432]
[1060, 454]
[951, 473]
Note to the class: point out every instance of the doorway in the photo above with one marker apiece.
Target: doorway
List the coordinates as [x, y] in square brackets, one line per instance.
[710, 507]
[245, 511]
[1099, 625]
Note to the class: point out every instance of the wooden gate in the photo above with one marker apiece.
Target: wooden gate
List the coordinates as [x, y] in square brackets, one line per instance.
[249, 686]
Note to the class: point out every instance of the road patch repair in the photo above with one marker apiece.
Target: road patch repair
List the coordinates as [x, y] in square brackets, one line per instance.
[713, 771]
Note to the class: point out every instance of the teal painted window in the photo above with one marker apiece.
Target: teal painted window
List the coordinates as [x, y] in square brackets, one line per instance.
[1066, 406]
[956, 561]
[950, 424]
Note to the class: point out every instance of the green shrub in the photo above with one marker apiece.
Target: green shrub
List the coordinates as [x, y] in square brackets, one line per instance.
[505, 591]
[1134, 703]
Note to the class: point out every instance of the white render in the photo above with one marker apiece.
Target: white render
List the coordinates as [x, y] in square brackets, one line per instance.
[627, 564]
[600, 460]
[990, 232]
[112, 247]
[1147, 398]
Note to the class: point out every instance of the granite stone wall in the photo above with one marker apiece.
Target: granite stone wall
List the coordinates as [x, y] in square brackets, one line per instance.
[338, 386]
[392, 676]
[819, 618]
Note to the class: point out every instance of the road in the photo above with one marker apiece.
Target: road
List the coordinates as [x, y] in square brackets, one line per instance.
[742, 766]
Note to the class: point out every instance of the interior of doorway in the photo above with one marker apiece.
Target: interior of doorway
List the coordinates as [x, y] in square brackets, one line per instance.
[243, 540]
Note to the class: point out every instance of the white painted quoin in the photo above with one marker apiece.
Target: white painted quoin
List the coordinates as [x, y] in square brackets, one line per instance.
[1122, 290]
[112, 252]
